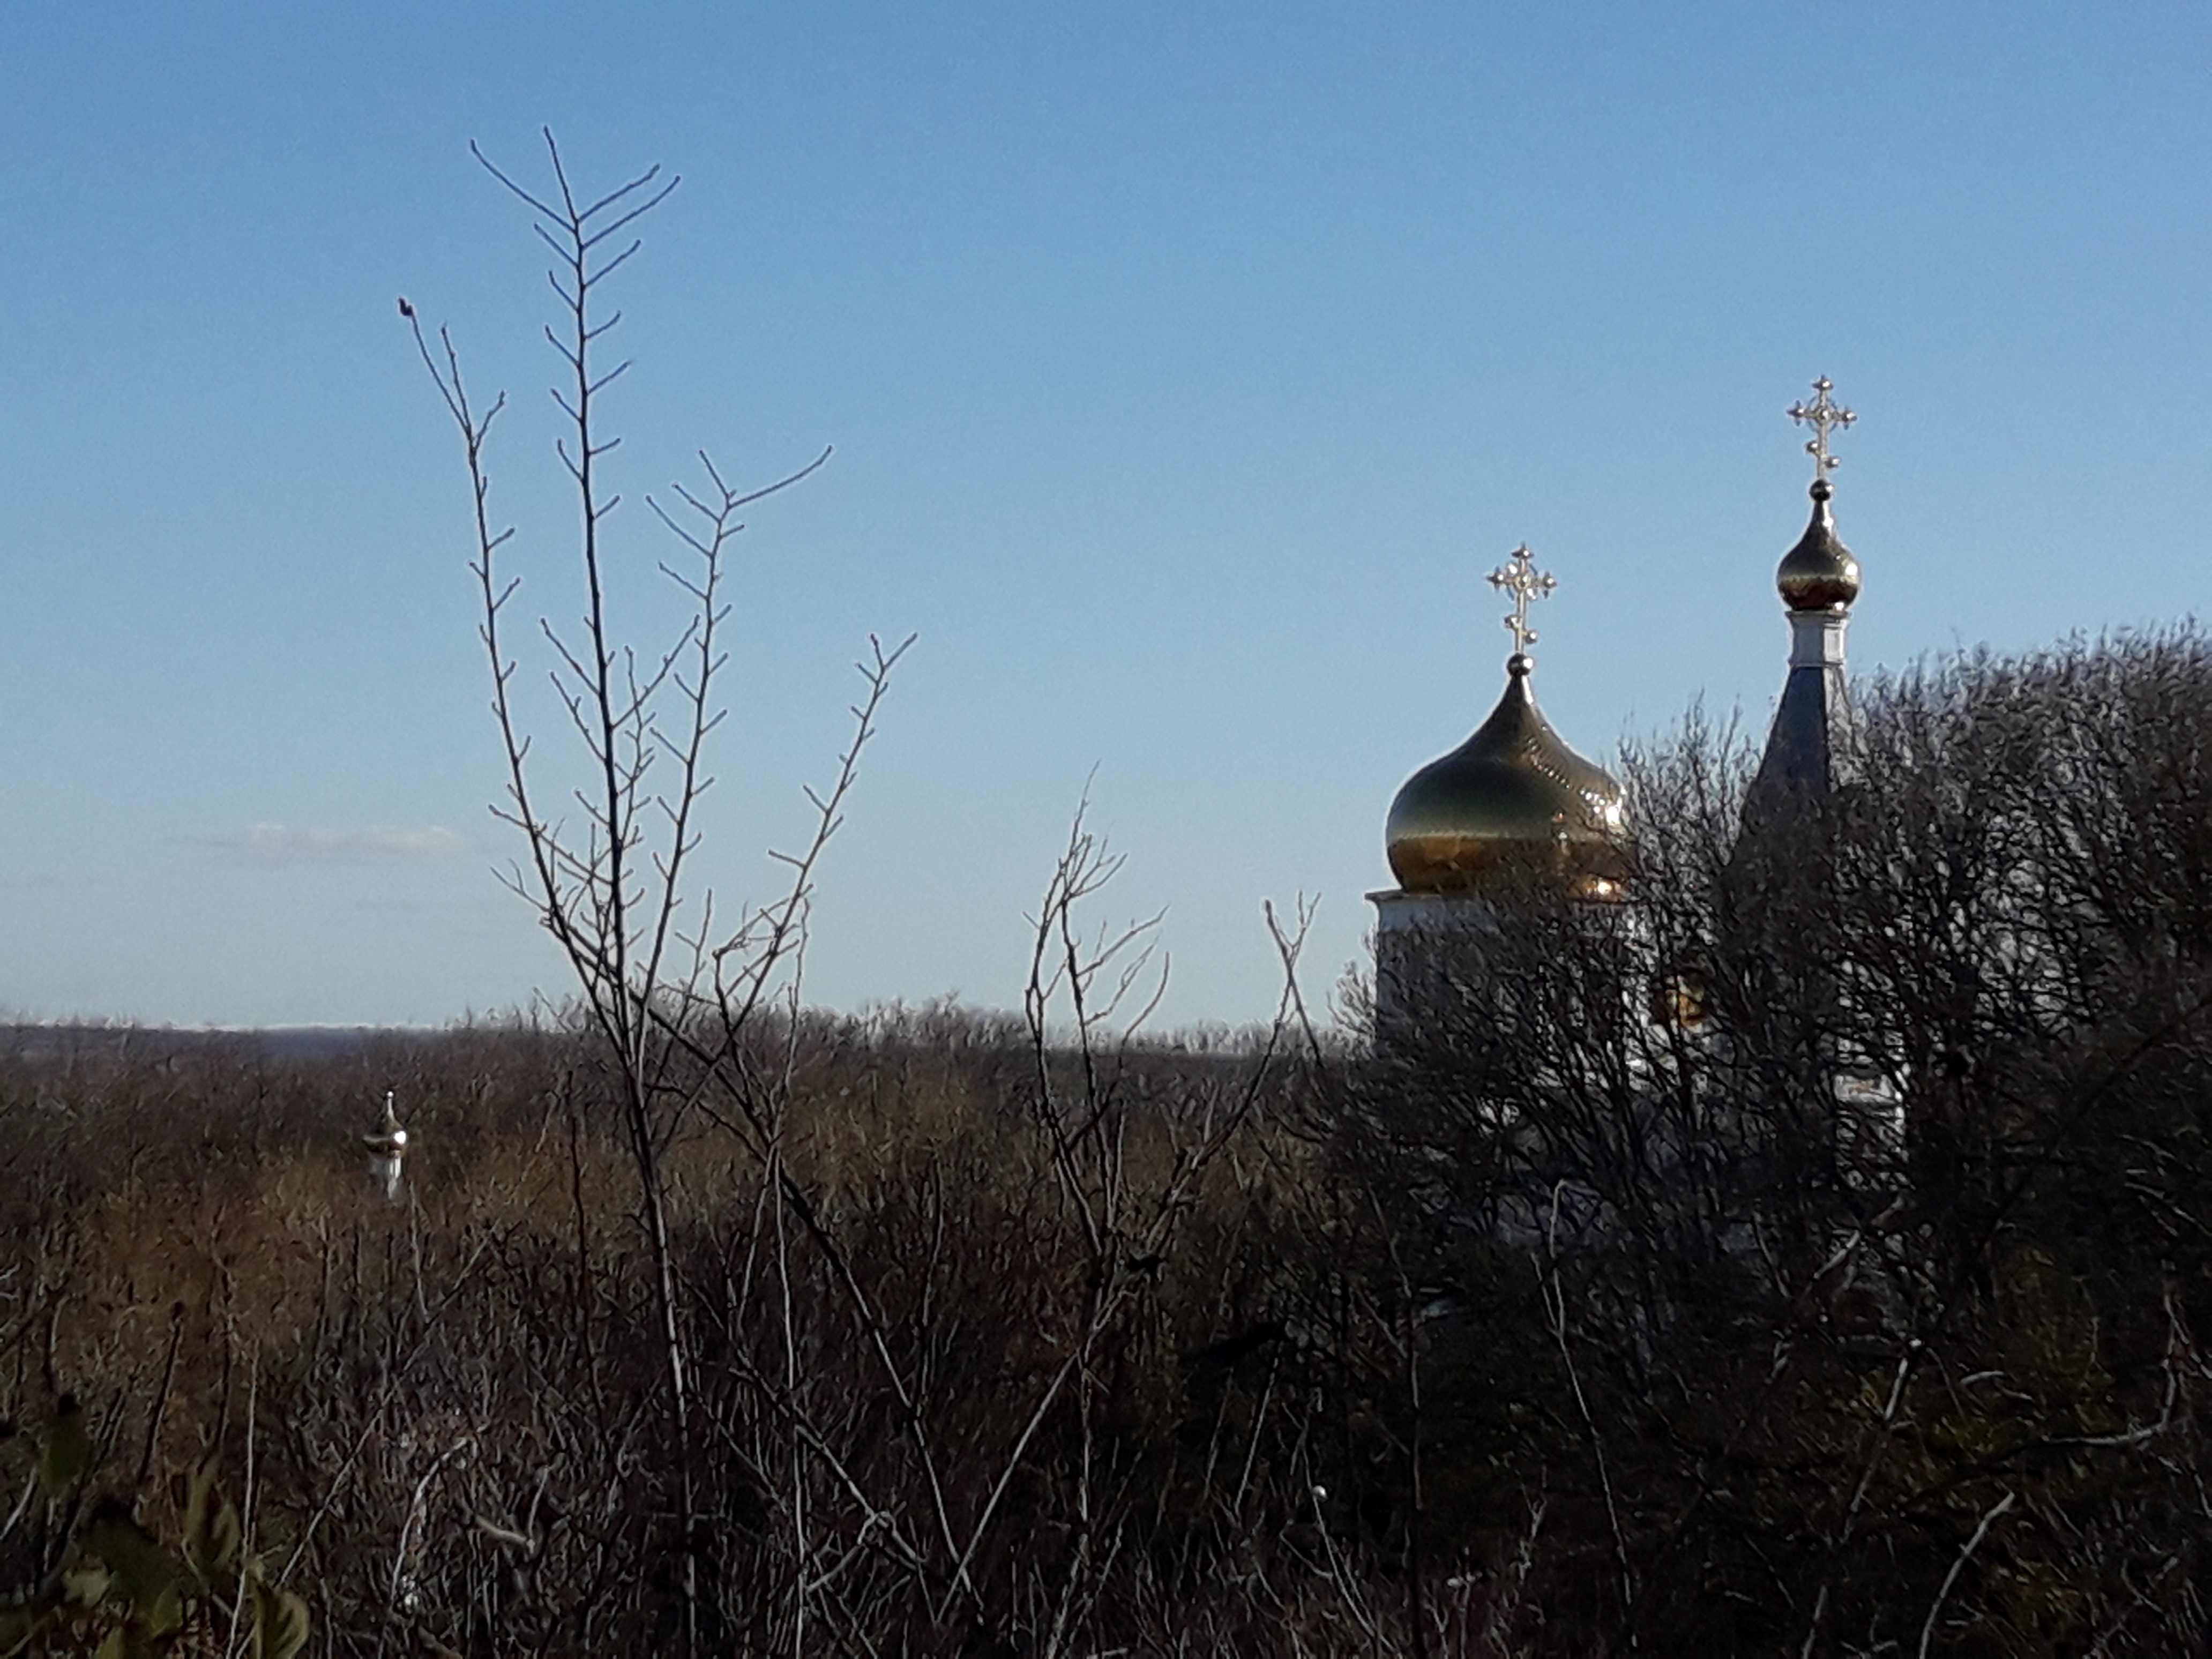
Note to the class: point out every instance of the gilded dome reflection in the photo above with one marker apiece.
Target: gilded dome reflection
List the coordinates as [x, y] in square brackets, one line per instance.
[1513, 796]
[1819, 572]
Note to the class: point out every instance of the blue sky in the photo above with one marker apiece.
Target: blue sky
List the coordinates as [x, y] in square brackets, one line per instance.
[1187, 366]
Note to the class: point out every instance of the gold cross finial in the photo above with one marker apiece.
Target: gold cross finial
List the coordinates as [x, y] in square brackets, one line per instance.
[1820, 414]
[1519, 576]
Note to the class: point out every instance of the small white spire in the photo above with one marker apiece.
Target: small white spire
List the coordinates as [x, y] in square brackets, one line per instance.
[387, 1147]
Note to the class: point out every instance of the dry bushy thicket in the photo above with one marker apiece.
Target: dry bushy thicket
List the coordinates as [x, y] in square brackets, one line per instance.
[1807, 1256]
[942, 1406]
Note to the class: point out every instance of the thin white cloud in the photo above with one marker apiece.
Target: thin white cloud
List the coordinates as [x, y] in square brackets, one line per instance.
[274, 846]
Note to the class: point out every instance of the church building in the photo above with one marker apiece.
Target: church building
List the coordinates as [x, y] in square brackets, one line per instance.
[1516, 805]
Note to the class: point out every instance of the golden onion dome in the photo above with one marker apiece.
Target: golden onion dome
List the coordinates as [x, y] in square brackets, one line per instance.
[1818, 573]
[1513, 796]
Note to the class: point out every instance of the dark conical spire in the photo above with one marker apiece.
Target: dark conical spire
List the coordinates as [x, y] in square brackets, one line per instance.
[1818, 580]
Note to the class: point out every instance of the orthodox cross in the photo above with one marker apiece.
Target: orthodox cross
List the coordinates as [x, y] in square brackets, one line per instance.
[1820, 414]
[1519, 576]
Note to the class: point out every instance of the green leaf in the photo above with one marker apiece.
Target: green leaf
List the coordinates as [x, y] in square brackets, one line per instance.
[166, 1615]
[68, 1450]
[143, 1567]
[86, 1584]
[280, 1623]
[212, 1532]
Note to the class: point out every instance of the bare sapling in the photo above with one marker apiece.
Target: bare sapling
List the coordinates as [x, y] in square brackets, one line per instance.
[608, 868]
